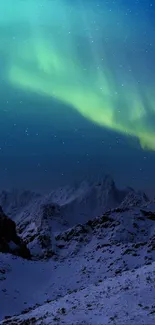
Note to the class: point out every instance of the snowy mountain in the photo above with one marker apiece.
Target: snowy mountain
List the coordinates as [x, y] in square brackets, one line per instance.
[40, 218]
[95, 270]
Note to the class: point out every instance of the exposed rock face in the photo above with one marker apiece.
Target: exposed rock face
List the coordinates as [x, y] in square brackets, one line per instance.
[10, 242]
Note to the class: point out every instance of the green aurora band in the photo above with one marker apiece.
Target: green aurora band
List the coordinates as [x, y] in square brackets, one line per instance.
[85, 57]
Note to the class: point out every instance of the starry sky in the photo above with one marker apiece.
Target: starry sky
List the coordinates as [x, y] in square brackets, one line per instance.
[77, 92]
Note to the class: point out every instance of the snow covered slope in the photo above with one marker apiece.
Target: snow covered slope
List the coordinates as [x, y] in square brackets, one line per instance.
[125, 299]
[102, 270]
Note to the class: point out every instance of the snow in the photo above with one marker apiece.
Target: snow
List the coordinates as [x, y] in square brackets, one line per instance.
[125, 299]
[102, 270]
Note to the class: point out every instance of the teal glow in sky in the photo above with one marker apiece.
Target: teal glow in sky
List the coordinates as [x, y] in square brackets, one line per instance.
[97, 58]
[94, 59]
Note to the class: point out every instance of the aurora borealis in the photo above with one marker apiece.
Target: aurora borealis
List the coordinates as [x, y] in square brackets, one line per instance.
[98, 58]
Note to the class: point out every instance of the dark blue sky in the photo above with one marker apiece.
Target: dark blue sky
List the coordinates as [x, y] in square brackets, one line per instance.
[44, 142]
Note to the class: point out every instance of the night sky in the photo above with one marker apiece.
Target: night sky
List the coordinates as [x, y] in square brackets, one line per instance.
[77, 92]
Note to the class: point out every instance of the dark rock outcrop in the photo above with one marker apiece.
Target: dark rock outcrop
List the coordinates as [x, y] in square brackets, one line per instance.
[10, 242]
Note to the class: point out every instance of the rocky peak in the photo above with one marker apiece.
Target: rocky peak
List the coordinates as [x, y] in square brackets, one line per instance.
[10, 242]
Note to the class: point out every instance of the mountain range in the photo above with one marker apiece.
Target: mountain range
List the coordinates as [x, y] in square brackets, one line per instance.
[92, 256]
